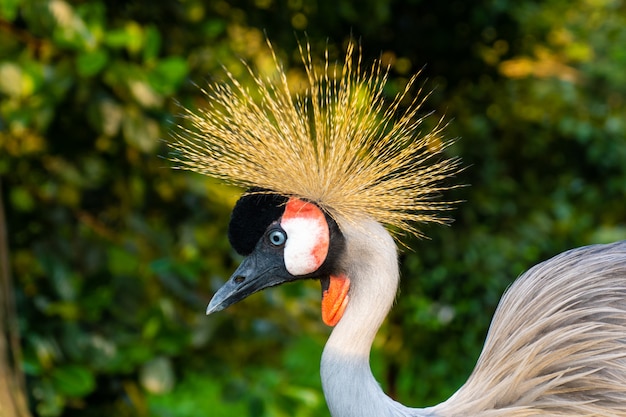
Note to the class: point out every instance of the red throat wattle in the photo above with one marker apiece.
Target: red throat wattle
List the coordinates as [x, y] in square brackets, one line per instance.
[335, 299]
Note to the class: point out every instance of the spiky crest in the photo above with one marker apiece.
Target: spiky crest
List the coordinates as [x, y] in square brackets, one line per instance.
[338, 144]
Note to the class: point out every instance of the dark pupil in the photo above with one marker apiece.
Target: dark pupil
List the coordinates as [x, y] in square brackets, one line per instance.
[276, 238]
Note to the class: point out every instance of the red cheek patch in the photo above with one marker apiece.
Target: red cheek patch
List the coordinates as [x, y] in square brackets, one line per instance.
[335, 299]
[308, 237]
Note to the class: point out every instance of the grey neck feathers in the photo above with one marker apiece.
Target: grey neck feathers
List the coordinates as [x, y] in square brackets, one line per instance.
[349, 386]
[556, 346]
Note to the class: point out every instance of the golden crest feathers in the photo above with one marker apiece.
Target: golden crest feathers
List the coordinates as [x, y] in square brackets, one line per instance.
[339, 144]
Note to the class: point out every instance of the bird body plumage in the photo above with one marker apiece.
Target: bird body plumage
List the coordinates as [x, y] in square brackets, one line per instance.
[557, 343]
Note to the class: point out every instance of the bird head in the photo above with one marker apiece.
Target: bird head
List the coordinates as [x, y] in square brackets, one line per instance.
[336, 155]
[283, 240]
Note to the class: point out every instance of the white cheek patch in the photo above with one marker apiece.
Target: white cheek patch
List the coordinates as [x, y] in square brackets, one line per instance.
[307, 237]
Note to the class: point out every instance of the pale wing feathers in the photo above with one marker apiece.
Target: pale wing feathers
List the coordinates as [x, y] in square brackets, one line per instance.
[557, 343]
[339, 144]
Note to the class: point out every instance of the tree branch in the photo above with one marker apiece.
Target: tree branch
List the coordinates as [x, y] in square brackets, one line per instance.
[12, 387]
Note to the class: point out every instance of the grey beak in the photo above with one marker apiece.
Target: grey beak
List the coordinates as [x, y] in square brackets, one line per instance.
[257, 271]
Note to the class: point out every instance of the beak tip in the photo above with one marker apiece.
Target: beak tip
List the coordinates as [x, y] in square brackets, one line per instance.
[213, 308]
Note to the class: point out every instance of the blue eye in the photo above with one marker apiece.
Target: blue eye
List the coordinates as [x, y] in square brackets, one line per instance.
[277, 237]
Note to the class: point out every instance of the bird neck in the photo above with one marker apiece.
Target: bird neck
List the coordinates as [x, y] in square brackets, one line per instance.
[349, 386]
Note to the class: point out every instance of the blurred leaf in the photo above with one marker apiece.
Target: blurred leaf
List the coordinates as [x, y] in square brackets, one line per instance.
[168, 74]
[130, 37]
[152, 45]
[195, 392]
[140, 131]
[73, 380]
[135, 37]
[9, 9]
[117, 38]
[157, 376]
[122, 261]
[71, 31]
[90, 63]
[50, 402]
[213, 28]
[22, 199]
[106, 116]
[12, 81]
[144, 94]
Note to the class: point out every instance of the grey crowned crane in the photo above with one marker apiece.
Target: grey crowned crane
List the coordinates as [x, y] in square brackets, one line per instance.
[328, 174]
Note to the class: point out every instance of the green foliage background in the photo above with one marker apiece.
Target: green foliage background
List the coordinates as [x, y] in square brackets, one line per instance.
[115, 255]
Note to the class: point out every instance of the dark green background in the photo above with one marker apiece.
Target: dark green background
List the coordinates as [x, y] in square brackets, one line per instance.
[114, 255]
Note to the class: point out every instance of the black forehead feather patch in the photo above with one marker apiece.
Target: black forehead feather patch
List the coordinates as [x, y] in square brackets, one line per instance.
[250, 218]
